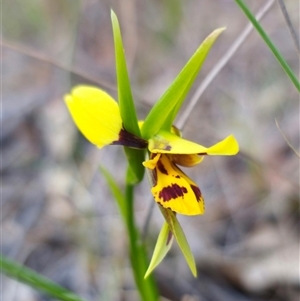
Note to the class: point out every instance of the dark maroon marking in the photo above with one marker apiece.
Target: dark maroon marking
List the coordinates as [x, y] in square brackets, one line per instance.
[177, 177]
[172, 192]
[170, 234]
[153, 155]
[153, 174]
[202, 154]
[161, 167]
[130, 140]
[197, 192]
[158, 202]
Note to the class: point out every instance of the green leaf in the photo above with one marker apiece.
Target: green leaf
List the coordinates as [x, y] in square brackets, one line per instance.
[165, 110]
[163, 245]
[127, 108]
[177, 231]
[35, 280]
[269, 43]
[116, 192]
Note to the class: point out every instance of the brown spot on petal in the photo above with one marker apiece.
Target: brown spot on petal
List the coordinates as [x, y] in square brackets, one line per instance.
[172, 192]
[161, 168]
[197, 192]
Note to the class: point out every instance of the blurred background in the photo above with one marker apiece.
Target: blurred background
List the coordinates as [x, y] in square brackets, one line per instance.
[58, 216]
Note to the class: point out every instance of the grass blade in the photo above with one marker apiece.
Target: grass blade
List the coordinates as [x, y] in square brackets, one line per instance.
[116, 192]
[33, 279]
[269, 43]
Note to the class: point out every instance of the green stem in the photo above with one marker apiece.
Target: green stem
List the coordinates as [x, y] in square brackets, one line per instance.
[137, 252]
[267, 40]
[35, 280]
[138, 257]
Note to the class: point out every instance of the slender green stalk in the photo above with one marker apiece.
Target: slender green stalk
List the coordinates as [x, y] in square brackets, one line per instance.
[137, 252]
[267, 40]
[35, 280]
[138, 257]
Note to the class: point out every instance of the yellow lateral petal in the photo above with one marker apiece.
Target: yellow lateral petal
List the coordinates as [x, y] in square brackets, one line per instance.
[168, 143]
[151, 163]
[95, 113]
[174, 190]
[186, 160]
[227, 147]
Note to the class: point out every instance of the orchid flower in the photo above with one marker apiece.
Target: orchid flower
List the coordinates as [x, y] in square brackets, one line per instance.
[97, 115]
[104, 122]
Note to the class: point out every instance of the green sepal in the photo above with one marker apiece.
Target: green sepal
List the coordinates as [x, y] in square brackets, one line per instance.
[177, 231]
[125, 99]
[163, 113]
[163, 245]
[127, 108]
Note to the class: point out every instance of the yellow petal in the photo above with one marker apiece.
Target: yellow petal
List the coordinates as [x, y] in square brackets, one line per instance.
[95, 113]
[151, 164]
[227, 147]
[187, 160]
[167, 143]
[174, 190]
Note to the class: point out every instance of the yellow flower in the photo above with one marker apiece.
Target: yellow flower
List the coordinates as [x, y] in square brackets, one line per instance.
[172, 188]
[97, 116]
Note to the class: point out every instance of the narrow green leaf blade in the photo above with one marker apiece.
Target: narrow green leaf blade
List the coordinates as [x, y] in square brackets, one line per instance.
[127, 108]
[165, 110]
[115, 190]
[163, 245]
[269, 43]
[35, 280]
[177, 231]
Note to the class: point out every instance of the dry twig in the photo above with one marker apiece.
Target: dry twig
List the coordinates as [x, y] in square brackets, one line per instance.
[218, 67]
